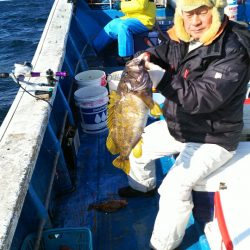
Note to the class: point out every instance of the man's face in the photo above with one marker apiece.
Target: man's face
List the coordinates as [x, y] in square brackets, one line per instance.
[197, 21]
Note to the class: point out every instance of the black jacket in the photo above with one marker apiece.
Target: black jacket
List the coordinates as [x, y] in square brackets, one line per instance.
[205, 88]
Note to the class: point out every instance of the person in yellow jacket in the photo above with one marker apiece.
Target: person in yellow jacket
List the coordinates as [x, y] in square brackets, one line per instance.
[139, 16]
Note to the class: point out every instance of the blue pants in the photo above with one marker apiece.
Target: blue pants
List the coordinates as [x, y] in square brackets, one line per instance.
[122, 30]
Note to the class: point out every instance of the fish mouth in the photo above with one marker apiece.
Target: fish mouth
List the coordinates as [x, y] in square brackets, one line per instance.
[137, 77]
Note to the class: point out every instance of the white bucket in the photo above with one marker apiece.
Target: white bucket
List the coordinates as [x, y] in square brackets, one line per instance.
[231, 11]
[92, 103]
[91, 78]
[114, 79]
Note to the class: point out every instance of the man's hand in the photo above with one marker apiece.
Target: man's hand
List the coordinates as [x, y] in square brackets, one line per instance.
[155, 72]
[144, 56]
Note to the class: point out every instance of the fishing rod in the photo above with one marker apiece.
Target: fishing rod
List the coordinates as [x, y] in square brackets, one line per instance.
[36, 74]
[25, 70]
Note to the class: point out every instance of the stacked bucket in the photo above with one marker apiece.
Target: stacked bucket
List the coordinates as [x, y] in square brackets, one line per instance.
[114, 79]
[91, 98]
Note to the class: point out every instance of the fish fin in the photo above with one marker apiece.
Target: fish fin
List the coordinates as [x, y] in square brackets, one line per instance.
[154, 107]
[111, 146]
[113, 98]
[122, 164]
[137, 150]
[156, 110]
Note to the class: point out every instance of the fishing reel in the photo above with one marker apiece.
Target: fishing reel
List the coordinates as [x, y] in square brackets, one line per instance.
[41, 90]
[25, 70]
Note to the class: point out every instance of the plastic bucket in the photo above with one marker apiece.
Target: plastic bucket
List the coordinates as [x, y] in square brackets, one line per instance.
[231, 11]
[91, 78]
[92, 106]
[114, 79]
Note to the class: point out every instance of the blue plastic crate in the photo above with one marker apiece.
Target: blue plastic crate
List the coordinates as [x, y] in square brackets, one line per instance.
[61, 238]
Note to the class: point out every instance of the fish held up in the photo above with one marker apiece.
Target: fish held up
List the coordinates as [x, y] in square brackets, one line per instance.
[128, 113]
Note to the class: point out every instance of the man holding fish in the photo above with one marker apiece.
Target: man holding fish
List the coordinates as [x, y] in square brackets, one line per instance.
[203, 71]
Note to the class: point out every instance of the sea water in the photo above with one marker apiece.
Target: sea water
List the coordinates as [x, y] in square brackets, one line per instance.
[21, 26]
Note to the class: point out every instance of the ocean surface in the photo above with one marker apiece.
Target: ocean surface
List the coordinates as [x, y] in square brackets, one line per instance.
[21, 26]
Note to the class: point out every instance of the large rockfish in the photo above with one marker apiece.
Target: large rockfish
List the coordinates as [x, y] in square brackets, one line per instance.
[128, 113]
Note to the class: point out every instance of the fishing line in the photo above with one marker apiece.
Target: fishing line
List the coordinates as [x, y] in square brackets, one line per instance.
[25, 70]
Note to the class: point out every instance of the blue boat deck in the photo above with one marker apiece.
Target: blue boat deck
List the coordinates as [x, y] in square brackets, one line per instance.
[98, 180]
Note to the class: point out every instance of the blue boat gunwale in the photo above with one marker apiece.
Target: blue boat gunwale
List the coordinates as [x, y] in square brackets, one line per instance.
[24, 126]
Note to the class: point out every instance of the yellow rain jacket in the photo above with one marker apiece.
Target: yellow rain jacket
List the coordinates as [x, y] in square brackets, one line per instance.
[143, 10]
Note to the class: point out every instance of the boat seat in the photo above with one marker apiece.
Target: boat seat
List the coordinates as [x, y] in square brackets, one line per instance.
[230, 227]
[236, 170]
[233, 173]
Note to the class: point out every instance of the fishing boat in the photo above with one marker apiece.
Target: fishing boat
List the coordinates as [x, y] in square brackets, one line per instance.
[52, 169]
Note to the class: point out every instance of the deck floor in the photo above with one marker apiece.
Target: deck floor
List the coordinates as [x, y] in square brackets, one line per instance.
[98, 180]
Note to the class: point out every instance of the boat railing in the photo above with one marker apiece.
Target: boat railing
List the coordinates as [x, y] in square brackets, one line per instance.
[25, 125]
[109, 3]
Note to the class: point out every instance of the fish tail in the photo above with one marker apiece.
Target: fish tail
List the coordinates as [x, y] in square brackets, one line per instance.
[123, 164]
[156, 110]
[137, 150]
